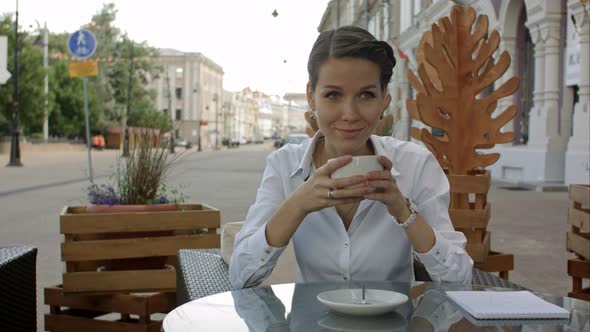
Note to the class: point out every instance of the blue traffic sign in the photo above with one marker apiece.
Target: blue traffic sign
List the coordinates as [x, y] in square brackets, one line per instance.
[82, 44]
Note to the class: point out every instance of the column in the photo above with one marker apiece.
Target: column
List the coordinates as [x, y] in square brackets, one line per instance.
[403, 129]
[536, 118]
[578, 155]
[508, 45]
[550, 32]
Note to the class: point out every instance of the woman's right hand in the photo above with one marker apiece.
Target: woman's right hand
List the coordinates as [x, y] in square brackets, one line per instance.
[313, 195]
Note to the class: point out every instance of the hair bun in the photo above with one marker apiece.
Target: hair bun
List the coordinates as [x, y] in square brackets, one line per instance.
[388, 50]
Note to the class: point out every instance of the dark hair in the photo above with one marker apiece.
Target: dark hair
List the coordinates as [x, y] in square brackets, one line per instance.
[350, 41]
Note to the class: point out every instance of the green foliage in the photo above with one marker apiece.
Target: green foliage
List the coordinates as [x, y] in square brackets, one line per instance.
[107, 93]
[31, 76]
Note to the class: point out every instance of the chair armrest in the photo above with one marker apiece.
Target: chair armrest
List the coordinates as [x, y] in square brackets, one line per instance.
[200, 273]
[487, 279]
[18, 289]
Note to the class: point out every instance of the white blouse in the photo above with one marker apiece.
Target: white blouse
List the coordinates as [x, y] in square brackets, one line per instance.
[375, 246]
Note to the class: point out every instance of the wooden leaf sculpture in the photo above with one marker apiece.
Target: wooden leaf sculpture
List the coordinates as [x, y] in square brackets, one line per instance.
[447, 98]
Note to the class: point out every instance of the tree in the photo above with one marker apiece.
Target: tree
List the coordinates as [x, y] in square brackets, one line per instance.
[113, 80]
[30, 82]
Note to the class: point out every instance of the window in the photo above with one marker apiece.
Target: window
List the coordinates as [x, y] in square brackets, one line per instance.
[178, 93]
[179, 72]
[178, 114]
[165, 110]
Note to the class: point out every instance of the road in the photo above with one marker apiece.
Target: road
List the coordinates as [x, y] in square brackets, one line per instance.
[531, 225]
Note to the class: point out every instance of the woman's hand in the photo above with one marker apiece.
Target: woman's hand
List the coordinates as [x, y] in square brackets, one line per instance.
[314, 194]
[387, 191]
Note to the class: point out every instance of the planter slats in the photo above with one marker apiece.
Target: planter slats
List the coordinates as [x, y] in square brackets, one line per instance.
[578, 244]
[85, 248]
[479, 251]
[498, 262]
[580, 219]
[76, 221]
[478, 183]
[580, 193]
[578, 268]
[122, 303]
[470, 218]
[133, 248]
[578, 240]
[69, 313]
[470, 213]
[120, 281]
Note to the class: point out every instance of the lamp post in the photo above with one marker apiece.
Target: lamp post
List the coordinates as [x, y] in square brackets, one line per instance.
[14, 146]
[45, 43]
[216, 100]
[128, 110]
[169, 94]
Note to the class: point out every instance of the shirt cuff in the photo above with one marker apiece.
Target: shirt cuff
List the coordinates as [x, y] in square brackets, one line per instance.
[265, 253]
[438, 254]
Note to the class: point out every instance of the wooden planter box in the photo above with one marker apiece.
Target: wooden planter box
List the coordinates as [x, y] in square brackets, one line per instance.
[470, 211]
[579, 269]
[498, 262]
[72, 313]
[84, 250]
[578, 239]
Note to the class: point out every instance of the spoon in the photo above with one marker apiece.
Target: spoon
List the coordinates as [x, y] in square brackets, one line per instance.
[363, 301]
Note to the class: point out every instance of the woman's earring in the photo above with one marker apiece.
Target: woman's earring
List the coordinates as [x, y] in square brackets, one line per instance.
[313, 117]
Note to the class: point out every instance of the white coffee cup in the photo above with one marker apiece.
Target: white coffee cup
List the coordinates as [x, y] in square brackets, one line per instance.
[360, 165]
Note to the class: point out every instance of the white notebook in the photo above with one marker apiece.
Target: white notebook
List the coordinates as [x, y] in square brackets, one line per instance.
[506, 305]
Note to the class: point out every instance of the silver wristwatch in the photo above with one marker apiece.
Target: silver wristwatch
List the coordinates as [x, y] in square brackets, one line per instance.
[412, 216]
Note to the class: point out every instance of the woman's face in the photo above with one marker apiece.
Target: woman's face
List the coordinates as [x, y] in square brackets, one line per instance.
[348, 101]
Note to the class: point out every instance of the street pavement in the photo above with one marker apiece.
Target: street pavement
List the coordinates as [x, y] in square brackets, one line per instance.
[531, 225]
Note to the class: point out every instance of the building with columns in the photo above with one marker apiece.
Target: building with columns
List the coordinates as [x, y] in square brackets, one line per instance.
[549, 44]
[190, 89]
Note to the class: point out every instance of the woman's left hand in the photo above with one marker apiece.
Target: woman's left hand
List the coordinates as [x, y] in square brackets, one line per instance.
[387, 191]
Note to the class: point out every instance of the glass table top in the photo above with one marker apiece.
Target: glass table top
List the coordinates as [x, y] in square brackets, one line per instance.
[294, 307]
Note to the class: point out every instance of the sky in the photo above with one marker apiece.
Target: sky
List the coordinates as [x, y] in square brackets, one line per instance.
[254, 48]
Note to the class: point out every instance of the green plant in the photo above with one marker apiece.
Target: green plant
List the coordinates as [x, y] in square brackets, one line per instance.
[140, 178]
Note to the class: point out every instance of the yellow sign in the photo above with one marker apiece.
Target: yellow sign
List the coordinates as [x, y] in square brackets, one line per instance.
[83, 69]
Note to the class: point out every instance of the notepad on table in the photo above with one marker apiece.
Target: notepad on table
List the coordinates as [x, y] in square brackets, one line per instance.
[506, 305]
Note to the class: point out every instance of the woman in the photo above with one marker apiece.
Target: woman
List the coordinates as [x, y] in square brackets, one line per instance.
[340, 230]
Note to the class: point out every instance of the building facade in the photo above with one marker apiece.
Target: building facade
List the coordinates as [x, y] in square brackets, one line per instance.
[549, 44]
[190, 89]
[296, 107]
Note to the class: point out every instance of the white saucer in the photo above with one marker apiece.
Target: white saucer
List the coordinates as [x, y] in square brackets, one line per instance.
[348, 301]
[383, 323]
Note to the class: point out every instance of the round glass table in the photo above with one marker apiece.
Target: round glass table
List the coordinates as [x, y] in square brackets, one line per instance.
[294, 307]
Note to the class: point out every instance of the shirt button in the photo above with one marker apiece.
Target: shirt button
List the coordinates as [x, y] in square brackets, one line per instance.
[267, 251]
[345, 278]
[346, 244]
[438, 252]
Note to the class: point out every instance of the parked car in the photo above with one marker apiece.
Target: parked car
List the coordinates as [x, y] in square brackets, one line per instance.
[291, 139]
[183, 143]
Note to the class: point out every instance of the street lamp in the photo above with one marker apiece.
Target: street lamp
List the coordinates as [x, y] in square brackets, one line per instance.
[45, 45]
[126, 127]
[216, 100]
[14, 146]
